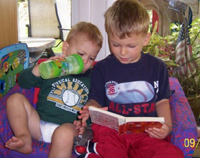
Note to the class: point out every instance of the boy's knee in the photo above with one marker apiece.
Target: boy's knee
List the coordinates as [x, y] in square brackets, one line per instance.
[12, 98]
[66, 130]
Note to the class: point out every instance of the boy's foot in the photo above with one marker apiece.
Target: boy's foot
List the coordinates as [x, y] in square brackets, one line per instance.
[20, 144]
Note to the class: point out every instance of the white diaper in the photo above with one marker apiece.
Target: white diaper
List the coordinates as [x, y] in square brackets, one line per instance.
[47, 129]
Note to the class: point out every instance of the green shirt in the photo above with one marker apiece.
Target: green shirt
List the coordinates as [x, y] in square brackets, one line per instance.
[60, 99]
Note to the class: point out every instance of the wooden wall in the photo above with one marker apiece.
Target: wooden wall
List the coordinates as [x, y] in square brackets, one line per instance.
[8, 22]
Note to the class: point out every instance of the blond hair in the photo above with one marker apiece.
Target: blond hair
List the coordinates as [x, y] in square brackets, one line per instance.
[88, 29]
[126, 17]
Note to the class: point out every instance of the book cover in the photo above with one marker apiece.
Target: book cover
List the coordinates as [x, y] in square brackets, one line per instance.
[124, 124]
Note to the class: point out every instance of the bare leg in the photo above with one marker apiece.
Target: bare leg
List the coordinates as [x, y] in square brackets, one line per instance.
[62, 141]
[24, 121]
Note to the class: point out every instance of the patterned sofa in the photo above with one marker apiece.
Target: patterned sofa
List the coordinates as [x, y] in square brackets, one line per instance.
[184, 125]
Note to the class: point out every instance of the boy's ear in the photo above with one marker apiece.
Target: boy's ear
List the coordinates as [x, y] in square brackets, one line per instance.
[147, 38]
[65, 47]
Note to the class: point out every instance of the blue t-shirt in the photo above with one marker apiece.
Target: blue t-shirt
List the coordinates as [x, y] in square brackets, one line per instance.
[130, 89]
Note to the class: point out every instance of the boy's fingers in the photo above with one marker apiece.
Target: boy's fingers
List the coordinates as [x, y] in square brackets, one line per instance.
[86, 107]
[84, 111]
[81, 130]
[82, 116]
[84, 122]
[155, 133]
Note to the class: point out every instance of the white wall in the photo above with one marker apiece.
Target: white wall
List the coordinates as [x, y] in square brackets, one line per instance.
[92, 11]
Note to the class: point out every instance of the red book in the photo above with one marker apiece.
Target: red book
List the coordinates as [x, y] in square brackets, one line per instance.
[124, 124]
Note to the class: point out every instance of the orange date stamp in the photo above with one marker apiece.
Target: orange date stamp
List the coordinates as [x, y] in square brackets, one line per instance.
[191, 142]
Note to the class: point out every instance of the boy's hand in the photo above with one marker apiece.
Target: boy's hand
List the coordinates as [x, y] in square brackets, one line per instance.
[61, 57]
[159, 133]
[84, 115]
[79, 127]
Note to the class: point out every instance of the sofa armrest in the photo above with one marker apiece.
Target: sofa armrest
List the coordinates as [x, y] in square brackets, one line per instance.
[184, 125]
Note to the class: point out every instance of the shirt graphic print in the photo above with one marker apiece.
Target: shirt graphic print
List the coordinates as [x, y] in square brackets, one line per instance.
[69, 95]
[129, 92]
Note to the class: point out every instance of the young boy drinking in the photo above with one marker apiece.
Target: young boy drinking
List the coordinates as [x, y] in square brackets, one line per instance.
[53, 119]
[117, 78]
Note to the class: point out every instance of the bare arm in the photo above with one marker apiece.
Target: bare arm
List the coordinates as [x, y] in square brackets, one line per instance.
[35, 71]
[163, 110]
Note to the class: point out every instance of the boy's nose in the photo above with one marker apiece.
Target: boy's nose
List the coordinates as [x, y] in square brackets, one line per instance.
[123, 51]
[85, 60]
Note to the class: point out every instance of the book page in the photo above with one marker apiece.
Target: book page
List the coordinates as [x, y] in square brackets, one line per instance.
[145, 119]
[106, 118]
